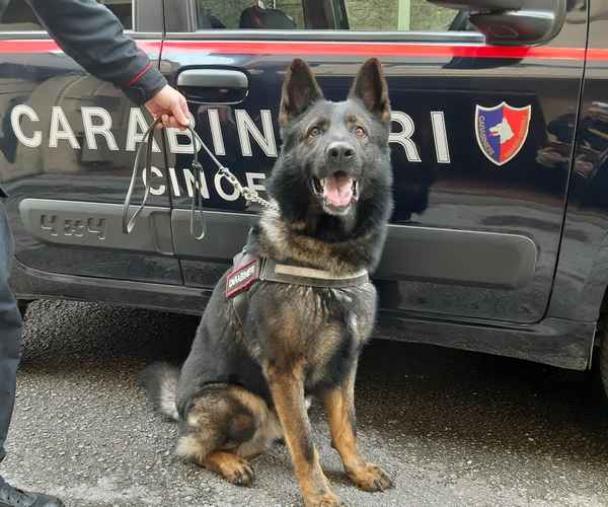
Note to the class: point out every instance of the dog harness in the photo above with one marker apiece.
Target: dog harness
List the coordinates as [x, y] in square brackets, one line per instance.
[249, 268]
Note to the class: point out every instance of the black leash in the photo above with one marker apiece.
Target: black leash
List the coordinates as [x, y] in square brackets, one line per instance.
[196, 209]
[128, 223]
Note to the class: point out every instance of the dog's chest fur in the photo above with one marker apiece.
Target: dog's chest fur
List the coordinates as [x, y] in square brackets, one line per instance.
[324, 328]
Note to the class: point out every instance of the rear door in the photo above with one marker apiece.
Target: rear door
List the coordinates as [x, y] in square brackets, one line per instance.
[67, 144]
[480, 170]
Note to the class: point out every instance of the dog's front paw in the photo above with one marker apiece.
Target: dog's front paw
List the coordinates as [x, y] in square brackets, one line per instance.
[370, 478]
[240, 473]
[232, 468]
[326, 500]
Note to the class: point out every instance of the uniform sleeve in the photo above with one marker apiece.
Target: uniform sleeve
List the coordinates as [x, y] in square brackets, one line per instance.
[93, 36]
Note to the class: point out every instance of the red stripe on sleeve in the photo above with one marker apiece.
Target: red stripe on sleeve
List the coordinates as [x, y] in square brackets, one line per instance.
[139, 75]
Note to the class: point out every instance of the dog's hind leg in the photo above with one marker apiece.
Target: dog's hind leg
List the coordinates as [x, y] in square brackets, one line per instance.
[340, 407]
[220, 421]
[287, 389]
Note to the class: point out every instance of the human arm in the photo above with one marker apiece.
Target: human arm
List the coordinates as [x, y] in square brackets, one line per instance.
[93, 36]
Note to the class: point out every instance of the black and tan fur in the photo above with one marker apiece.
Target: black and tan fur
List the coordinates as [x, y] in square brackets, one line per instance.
[242, 388]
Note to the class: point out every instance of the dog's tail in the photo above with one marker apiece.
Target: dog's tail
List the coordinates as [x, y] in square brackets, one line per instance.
[159, 380]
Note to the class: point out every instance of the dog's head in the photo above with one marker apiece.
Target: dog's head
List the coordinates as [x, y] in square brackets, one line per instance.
[335, 159]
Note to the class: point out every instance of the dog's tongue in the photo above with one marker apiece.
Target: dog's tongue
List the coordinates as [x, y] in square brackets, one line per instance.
[338, 190]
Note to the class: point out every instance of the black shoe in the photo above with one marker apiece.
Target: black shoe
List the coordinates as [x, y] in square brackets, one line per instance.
[13, 497]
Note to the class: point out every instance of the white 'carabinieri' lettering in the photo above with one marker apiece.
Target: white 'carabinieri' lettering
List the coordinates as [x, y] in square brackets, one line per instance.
[442, 150]
[216, 132]
[16, 114]
[136, 129]
[245, 126]
[403, 136]
[97, 121]
[61, 130]
[103, 129]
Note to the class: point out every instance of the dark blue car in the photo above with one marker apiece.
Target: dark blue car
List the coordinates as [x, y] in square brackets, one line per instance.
[498, 241]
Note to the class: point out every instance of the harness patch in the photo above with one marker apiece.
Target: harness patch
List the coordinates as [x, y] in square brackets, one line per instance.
[241, 278]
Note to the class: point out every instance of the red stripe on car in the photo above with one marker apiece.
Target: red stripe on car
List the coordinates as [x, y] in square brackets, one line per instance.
[337, 48]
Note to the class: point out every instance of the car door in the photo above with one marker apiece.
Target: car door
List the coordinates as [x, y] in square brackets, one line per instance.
[66, 149]
[479, 186]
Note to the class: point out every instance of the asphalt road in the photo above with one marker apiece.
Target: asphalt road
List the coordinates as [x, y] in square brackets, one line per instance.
[452, 428]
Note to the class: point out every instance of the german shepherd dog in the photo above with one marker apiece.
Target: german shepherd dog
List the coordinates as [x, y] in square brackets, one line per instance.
[244, 384]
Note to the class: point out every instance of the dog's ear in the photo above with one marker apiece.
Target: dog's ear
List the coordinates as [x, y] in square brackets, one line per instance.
[300, 91]
[371, 89]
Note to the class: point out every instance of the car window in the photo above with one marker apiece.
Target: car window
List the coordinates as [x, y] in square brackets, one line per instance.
[16, 15]
[359, 15]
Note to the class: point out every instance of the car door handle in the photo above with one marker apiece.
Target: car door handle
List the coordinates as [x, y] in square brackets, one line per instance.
[213, 78]
[211, 85]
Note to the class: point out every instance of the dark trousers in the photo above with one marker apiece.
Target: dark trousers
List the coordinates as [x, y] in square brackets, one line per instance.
[10, 333]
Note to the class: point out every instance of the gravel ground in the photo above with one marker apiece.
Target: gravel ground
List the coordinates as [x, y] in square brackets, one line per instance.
[451, 427]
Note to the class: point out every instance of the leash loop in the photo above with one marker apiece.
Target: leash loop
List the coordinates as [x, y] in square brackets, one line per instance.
[128, 223]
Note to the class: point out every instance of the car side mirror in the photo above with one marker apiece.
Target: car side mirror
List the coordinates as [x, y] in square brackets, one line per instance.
[513, 22]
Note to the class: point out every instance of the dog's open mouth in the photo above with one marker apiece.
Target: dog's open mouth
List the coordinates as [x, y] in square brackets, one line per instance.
[337, 191]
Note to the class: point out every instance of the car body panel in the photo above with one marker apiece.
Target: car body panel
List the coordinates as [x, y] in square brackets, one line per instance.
[49, 152]
[475, 257]
[582, 272]
[444, 184]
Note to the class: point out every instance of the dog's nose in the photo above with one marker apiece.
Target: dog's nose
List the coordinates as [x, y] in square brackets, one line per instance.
[339, 153]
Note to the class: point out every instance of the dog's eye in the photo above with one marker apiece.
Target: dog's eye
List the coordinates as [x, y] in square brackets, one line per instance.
[314, 132]
[360, 132]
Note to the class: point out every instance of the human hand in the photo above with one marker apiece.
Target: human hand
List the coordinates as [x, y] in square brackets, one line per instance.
[171, 107]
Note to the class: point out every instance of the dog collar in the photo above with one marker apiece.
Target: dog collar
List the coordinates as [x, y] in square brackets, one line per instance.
[248, 269]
